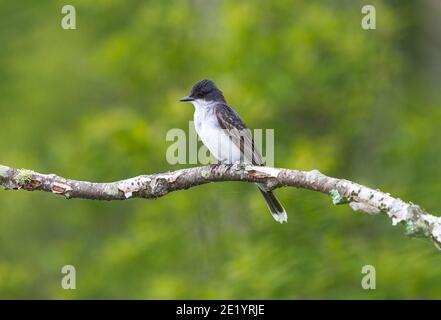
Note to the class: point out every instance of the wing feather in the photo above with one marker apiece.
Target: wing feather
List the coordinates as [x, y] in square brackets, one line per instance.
[239, 134]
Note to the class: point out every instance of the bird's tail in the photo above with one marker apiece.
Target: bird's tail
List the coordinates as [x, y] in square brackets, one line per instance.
[275, 207]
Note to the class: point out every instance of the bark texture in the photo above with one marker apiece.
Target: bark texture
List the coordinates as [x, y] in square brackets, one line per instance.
[360, 198]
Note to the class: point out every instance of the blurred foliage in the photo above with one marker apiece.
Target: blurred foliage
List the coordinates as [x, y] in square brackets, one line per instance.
[96, 103]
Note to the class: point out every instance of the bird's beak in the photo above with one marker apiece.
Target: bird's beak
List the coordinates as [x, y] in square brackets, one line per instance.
[186, 99]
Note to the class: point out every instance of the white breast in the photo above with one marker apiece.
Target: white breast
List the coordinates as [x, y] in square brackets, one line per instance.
[212, 135]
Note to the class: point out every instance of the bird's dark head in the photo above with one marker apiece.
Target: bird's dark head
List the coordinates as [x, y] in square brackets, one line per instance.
[204, 91]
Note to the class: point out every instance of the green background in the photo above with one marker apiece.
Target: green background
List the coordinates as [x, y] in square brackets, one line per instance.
[96, 103]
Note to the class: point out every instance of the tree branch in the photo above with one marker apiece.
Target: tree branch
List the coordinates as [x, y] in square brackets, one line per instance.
[360, 198]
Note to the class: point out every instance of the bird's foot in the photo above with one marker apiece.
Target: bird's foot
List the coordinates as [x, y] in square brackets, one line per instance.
[238, 165]
[218, 164]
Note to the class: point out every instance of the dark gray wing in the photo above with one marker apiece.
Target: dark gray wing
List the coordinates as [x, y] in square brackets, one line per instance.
[239, 134]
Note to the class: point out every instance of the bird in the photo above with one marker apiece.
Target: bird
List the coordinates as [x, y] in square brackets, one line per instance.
[227, 137]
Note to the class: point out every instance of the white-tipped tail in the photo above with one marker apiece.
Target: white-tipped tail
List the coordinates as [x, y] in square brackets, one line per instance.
[280, 217]
[275, 207]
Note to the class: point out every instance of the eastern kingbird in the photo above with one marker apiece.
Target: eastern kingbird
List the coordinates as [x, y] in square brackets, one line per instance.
[226, 136]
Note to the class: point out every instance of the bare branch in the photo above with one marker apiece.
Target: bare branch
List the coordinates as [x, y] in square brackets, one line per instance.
[360, 198]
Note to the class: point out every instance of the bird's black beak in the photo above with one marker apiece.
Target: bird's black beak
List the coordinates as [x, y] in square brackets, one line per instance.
[186, 99]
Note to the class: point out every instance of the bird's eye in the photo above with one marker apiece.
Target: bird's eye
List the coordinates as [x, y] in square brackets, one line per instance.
[199, 95]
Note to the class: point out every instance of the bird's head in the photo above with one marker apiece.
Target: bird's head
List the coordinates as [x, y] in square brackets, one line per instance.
[203, 92]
